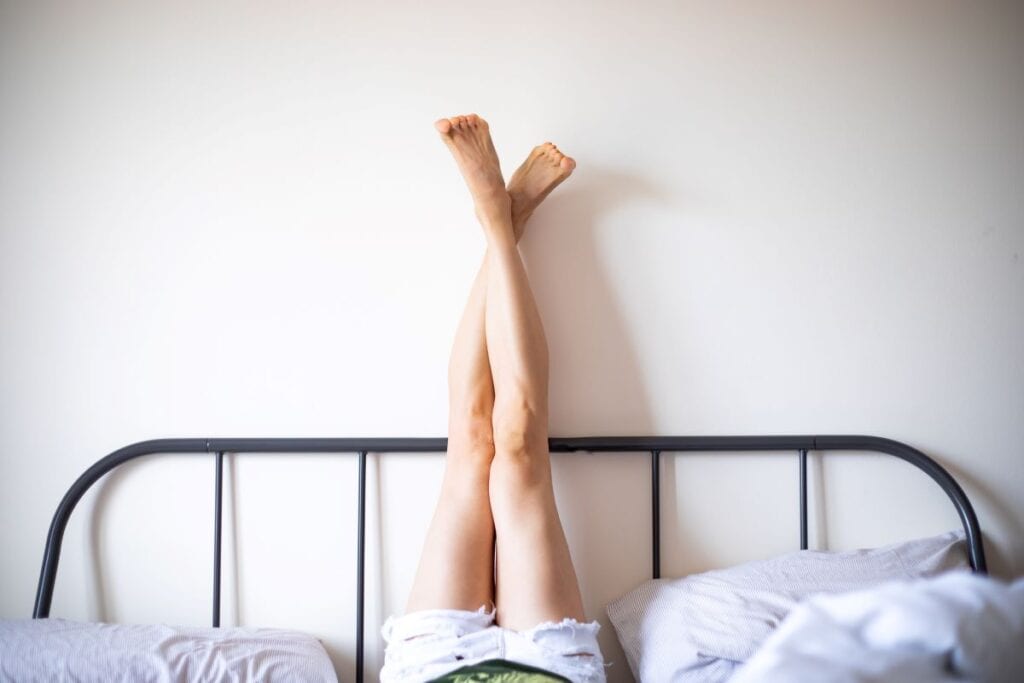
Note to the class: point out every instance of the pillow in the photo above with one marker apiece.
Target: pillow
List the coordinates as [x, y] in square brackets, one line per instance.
[60, 650]
[702, 627]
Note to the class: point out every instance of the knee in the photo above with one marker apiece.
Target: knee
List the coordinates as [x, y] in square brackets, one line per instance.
[471, 434]
[518, 429]
[520, 450]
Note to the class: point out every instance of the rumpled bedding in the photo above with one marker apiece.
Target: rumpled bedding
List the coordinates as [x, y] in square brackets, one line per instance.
[956, 627]
[62, 650]
[701, 628]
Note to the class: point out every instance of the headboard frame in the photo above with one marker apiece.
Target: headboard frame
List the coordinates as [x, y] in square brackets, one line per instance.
[650, 445]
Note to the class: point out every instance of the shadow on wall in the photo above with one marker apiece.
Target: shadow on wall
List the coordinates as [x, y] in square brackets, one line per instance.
[596, 381]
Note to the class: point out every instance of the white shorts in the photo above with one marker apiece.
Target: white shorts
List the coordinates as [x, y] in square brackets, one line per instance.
[430, 643]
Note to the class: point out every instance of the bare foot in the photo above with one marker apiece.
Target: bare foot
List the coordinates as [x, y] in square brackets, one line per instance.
[469, 139]
[542, 171]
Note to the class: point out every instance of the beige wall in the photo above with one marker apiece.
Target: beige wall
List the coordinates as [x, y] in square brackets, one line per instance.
[224, 220]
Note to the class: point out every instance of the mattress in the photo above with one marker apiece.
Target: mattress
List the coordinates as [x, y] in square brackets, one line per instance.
[58, 649]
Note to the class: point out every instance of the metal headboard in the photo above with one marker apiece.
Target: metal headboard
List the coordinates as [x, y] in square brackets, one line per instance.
[652, 445]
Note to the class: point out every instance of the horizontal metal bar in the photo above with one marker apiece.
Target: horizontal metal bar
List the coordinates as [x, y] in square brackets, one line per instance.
[640, 445]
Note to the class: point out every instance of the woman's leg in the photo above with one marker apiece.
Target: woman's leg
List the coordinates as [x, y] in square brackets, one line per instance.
[456, 569]
[536, 581]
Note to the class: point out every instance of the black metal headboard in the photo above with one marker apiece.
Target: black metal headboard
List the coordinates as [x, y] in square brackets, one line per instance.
[652, 445]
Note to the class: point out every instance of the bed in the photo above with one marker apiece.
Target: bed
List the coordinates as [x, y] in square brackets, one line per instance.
[249, 650]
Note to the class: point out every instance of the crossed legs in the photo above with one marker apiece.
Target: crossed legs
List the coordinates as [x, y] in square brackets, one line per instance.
[496, 537]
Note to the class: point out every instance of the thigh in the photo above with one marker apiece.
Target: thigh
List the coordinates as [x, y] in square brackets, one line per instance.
[456, 568]
[535, 578]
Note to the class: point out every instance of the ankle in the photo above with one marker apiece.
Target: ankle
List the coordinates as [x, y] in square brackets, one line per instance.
[493, 206]
[519, 225]
[497, 224]
[499, 233]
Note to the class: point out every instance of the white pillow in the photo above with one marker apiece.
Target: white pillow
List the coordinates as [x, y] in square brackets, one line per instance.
[61, 650]
[702, 627]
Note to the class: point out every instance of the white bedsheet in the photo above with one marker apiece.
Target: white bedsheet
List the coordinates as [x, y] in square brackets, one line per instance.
[61, 650]
[956, 627]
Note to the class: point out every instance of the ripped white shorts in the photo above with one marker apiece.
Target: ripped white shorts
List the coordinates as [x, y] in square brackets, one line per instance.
[430, 643]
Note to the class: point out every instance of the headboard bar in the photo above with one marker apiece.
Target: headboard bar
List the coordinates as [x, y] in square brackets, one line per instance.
[652, 445]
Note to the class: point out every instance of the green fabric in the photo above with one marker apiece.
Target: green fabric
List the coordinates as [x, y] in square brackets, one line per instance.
[500, 671]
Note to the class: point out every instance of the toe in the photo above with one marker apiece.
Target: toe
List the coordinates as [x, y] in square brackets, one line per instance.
[443, 126]
[472, 119]
[567, 164]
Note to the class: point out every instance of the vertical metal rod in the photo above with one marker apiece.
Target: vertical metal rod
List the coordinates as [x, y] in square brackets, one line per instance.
[656, 513]
[217, 514]
[361, 563]
[803, 499]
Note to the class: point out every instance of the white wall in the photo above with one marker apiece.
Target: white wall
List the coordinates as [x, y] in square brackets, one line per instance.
[218, 219]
